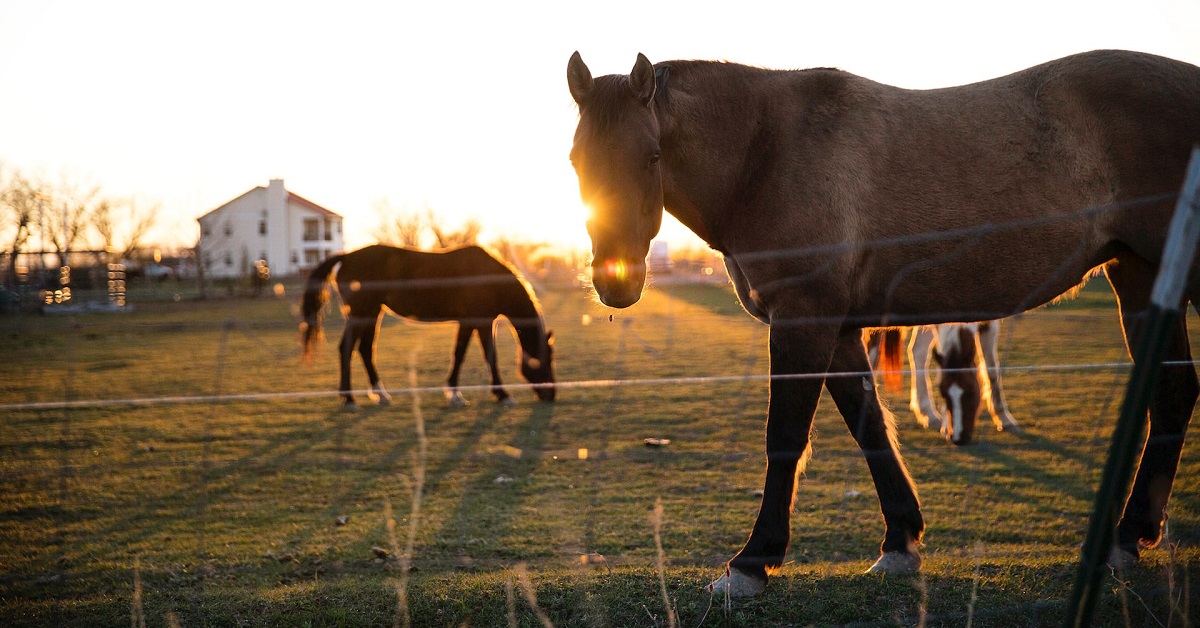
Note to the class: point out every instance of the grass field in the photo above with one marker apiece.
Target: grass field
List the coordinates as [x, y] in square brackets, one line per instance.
[199, 475]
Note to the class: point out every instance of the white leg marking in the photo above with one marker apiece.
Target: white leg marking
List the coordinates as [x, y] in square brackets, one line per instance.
[989, 337]
[380, 395]
[919, 399]
[734, 583]
[455, 398]
[956, 410]
[1121, 560]
[897, 563]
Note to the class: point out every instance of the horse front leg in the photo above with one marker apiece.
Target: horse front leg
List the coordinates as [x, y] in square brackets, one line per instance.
[488, 340]
[920, 401]
[989, 340]
[453, 396]
[799, 355]
[366, 349]
[853, 390]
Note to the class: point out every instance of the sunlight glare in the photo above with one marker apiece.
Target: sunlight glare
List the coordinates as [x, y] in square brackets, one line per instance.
[616, 269]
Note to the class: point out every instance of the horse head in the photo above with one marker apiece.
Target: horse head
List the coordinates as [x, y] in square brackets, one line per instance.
[539, 369]
[955, 354]
[616, 157]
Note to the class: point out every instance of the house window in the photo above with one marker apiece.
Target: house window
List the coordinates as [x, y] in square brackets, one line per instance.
[228, 228]
[311, 257]
[311, 227]
[262, 227]
[328, 229]
[295, 258]
[228, 259]
[206, 230]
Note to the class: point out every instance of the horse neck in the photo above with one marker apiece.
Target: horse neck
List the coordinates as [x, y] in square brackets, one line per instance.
[715, 133]
[522, 312]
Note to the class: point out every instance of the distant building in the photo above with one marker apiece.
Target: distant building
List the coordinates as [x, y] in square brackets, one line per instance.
[291, 233]
[659, 259]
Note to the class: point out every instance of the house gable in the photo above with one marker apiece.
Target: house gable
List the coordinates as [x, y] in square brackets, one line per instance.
[290, 232]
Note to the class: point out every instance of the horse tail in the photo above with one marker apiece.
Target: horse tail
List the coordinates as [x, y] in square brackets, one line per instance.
[312, 309]
[890, 360]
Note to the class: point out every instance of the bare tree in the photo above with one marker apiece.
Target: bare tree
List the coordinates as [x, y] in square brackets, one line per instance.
[421, 229]
[103, 223]
[467, 234]
[66, 216]
[141, 221]
[19, 207]
[399, 227]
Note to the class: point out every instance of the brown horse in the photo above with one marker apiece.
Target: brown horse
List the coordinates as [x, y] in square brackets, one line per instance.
[467, 285]
[840, 203]
[968, 359]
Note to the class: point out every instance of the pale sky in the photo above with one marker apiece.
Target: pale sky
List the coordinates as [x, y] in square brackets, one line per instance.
[459, 107]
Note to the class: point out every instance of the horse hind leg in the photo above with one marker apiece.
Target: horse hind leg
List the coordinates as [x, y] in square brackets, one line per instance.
[351, 337]
[366, 349]
[989, 364]
[1172, 402]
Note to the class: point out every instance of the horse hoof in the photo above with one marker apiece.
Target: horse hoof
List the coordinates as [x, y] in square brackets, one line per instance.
[897, 563]
[1012, 427]
[508, 402]
[350, 406]
[456, 400]
[1122, 560]
[384, 400]
[734, 583]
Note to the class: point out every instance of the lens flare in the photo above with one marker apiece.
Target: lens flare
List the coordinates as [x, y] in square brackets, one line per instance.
[616, 269]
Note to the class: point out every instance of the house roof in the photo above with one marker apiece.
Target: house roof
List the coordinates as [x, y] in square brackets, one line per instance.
[291, 197]
[296, 198]
[231, 201]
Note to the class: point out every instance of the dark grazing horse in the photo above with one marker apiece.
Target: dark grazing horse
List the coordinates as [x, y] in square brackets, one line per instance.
[467, 285]
[840, 203]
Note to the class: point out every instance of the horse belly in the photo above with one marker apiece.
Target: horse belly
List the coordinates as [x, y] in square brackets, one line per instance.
[1001, 280]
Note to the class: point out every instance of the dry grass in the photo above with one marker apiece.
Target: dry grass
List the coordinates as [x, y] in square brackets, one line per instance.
[263, 509]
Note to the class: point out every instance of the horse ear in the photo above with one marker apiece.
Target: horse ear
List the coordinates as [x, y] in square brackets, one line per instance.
[579, 79]
[641, 80]
[550, 337]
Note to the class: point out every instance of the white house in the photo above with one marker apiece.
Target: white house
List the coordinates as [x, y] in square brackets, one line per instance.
[290, 232]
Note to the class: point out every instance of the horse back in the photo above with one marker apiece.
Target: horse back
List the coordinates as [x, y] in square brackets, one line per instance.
[464, 284]
[1003, 172]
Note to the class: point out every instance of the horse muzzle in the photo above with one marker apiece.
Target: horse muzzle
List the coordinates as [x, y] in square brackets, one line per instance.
[618, 282]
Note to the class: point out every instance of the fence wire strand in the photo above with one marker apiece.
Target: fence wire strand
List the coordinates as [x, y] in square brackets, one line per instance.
[635, 334]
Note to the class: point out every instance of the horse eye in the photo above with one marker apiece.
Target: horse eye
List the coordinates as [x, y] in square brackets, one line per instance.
[654, 159]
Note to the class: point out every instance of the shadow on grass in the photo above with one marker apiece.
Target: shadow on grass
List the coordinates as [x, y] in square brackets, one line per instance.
[815, 595]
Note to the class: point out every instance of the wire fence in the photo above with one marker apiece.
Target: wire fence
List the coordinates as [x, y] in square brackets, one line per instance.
[185, 446]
